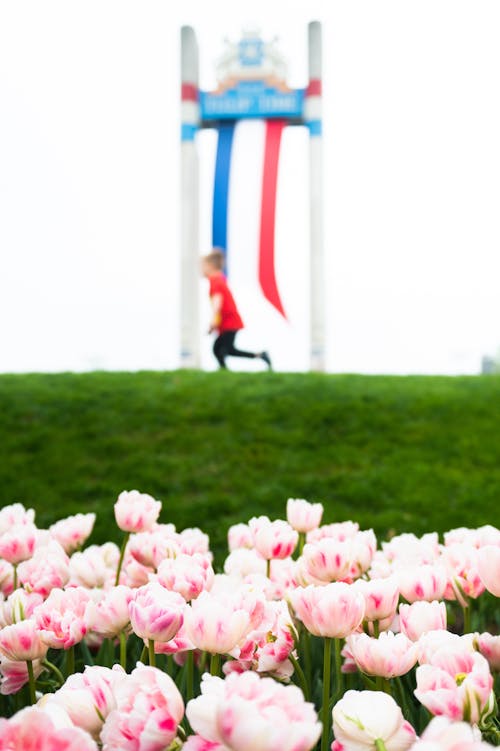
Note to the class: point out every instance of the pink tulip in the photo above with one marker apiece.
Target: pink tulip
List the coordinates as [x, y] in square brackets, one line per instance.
[273, 659]
[284, 576]
[251, 600]
[487, 535]
[242, 562]
[155, 613]
[339, 531]
[457, 684]
[302, 515]
[192, 540]
[18, 606]
[364, 546]
[134, 574]
[420, 617]
[348, 664]
[374, 628]
[6, 578]
[477, 538]
[73, 531]
[381, 597]
[380, 567]
[186, 574]
[460, 535]
[326, 561]
[239, 536]
[14, 515]
[273, 539]
[21, 641]
[180, 644]
[47, 570]
[197, 743]
[461, 562]
[408, 550]
[334, 610]
[442, 734]
[488, 567]
[432, 642]
[109, 616]
[88, 697]
[148, 711]
[90, 569]
[56, 712]
[427, 582]
[111, 554]
[273, 662]
[32, 729]
[216, 623]
[61, 618]
[14, 674]
[18, 543]
[388, 656]
[489, 646]
[361, 718]
[136, 512]
[284, 573]
[248, 713]
[267, 648]
[151, 548]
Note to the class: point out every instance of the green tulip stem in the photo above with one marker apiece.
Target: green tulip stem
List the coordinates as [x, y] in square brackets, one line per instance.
[301, 677]
[31, 677]
[189, 675]
[339, 679]
[467, 619]
[54, 669]
[325, 719]
[214, 664]
[151, 650]
[122, 554]
[123, 650]
[302, 539]
[70, 661]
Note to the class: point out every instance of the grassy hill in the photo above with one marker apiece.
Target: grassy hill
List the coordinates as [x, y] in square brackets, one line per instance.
[396, 454]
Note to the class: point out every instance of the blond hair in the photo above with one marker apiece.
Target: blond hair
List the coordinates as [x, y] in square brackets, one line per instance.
[215, 258]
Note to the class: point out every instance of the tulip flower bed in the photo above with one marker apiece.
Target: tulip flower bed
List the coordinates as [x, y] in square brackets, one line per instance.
[315, 636]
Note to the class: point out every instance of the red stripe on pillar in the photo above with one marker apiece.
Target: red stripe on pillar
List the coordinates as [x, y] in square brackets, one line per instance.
[314, 88]
[267, 277]
[189, 92]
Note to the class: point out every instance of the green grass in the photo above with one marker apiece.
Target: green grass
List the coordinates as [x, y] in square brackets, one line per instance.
[393, 453]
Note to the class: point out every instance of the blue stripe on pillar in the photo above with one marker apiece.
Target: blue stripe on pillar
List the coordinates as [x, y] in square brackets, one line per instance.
[315, 127]
[188, 132]
[221, 185]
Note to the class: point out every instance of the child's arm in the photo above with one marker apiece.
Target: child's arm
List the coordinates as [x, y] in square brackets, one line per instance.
[216, 301]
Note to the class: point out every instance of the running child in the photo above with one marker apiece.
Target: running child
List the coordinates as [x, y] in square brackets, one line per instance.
[226, 320]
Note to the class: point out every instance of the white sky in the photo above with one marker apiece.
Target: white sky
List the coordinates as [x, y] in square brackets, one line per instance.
[89, 178]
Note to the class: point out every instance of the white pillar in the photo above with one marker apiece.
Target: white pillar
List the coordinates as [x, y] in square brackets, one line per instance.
[313, 120]
[190, 263]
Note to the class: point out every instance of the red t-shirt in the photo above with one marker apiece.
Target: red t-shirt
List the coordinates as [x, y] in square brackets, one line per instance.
[230, 318]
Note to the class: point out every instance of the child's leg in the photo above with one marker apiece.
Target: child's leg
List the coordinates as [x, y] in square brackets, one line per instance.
[233, 351]
[219, 350]
[224, 346]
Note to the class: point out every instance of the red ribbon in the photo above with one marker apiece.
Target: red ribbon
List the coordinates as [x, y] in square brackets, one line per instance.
[267, 276]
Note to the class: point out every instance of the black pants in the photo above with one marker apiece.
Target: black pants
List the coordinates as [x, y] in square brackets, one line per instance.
[224, 346]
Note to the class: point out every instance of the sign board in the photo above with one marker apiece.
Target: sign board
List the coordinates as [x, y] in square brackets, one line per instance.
[251, 99]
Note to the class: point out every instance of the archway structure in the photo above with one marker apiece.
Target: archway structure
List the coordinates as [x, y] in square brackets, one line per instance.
[251, 78]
